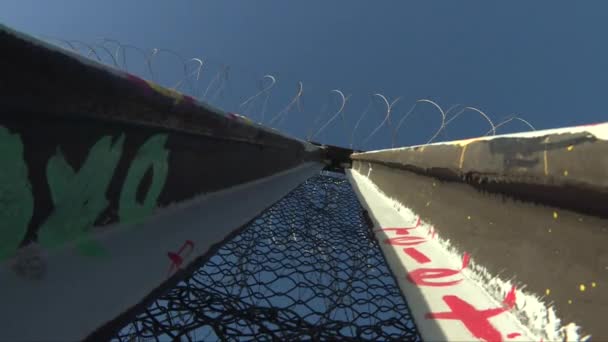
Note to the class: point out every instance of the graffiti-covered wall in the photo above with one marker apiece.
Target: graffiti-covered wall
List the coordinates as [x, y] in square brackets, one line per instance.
[110, 184]
[521, 217]
[61, 177]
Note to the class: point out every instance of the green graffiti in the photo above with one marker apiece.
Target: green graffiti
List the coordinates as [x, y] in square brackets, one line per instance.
[151, 154]
[79, 197]
[16, 200]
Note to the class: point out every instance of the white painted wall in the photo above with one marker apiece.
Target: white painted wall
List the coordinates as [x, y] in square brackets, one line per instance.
[530, 318]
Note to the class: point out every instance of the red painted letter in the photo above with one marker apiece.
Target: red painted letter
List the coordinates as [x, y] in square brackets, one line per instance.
[420, 276]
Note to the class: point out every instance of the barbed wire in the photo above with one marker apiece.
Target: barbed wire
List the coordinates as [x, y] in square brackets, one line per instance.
[209, 82]
[308, 268]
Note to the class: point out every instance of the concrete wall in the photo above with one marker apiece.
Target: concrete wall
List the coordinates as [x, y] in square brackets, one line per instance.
[529, 209]
[109, 185]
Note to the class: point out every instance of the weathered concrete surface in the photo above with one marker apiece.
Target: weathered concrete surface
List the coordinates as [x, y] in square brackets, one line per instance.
[117, 177]
[564, 167]
[195, 164]
[550, 245]
[80, 293]
[423, 299]
[60, 105]
[43, 80]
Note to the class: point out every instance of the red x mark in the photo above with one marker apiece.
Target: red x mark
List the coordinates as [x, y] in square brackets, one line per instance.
[476, 321]
[177, 258]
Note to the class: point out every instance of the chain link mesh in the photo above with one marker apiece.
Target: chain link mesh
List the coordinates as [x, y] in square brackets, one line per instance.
[307, 268]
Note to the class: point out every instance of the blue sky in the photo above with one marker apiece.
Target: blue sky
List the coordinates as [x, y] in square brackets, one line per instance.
[544, 61]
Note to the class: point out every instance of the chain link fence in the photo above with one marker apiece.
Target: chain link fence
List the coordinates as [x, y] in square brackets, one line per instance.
[308, 268]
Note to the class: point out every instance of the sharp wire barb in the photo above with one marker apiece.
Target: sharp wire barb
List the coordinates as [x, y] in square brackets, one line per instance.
[333, 117]
[260, 106]
[389, 107]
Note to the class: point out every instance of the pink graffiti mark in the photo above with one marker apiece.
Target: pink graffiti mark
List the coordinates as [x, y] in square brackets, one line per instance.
[405, 241]
[187, 100]
[418, 256]
[140, 83]
[510, 299]
[432, 232]
[177, 259]
[421, 276]
[593, 124]
[400, 230]
[513, 335]
[235, 116]
[476, 321]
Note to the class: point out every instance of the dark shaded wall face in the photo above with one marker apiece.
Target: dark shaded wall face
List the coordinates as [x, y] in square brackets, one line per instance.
[83, 147]
[542, 60]
[62, 177]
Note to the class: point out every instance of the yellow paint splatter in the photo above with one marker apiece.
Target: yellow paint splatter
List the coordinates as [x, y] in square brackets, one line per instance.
[593, 284]
[555, 215]
[582, 287]
[569, 301]
[548, 292]
[177, 97]
[565, 172]
[570, 148]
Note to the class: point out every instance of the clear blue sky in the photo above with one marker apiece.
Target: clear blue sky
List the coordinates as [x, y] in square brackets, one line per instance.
[543, 60]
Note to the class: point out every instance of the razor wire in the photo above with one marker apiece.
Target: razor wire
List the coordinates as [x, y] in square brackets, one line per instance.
[212, 81]
[307, 268]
